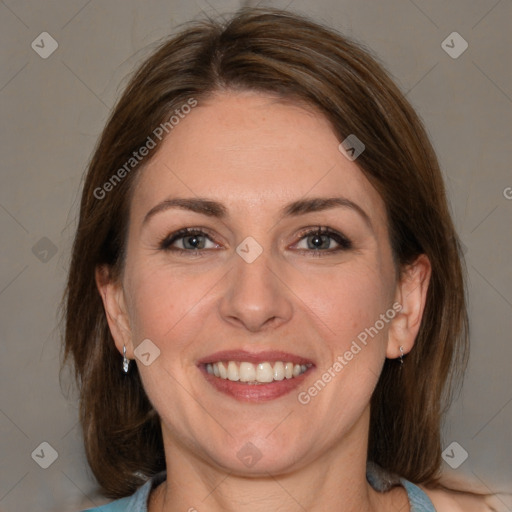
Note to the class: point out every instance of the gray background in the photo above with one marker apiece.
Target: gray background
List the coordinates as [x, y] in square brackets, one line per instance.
[52, 111]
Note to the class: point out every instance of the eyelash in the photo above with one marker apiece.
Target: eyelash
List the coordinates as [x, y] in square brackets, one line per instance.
[167, 242]
[343, 242]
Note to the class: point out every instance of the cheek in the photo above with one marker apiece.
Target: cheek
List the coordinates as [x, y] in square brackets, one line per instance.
[346, 301]
[163, 304]
[342, 302]
[349, 307]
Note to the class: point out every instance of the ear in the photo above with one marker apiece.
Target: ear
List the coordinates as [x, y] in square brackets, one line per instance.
[411, 294]
[114, 303]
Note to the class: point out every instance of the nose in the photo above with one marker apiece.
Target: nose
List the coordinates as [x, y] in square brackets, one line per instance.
[255, 298]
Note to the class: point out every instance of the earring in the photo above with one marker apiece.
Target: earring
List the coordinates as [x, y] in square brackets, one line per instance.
[126, 361]
[401, 356]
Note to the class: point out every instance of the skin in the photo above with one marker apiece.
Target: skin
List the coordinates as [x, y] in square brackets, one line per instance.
[255, 155]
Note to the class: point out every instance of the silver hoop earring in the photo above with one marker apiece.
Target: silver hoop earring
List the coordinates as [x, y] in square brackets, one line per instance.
[401, 356]
[126, 361]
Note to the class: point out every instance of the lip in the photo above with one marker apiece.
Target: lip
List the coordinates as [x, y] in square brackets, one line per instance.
[254, 392]
[268, 356]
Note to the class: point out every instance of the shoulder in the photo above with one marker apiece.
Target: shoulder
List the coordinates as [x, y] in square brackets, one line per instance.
[137, 502]
[445, 500]
[115, 506]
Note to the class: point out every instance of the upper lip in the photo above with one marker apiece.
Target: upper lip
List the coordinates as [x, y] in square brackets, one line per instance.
[268, 356]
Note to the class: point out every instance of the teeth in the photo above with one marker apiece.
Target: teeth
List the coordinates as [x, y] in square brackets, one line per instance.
[264, 372]
[223, 373]
[256, 373]
[233, 373]
[278, 371]
[247, 372]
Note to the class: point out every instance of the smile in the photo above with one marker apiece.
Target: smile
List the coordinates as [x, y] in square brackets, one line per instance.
[255, 377]
[260, 373]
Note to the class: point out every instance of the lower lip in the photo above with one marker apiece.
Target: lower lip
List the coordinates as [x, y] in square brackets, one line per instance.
[254, 392]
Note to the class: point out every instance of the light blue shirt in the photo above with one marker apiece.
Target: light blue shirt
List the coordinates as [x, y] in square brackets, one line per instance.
[138, 502]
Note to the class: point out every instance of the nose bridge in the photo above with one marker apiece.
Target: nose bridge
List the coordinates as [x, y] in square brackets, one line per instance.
[255, 296]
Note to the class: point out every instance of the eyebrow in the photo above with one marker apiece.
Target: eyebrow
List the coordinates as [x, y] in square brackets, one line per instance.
[218, 210]
[198, 205]
[319, 204]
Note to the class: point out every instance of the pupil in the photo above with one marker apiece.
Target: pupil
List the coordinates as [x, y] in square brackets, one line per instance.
[193, 242]
[318, 241]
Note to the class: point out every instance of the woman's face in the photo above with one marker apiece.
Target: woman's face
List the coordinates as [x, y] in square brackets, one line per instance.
[287, 260]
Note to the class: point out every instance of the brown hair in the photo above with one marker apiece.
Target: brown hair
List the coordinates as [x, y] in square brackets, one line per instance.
[289, 56]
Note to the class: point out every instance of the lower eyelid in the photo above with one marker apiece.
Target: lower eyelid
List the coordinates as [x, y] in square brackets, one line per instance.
[320, 252]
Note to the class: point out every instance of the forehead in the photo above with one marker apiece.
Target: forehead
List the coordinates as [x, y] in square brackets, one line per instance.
[254, 153]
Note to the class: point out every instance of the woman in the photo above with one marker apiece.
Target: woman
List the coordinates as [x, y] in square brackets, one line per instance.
[265, 305]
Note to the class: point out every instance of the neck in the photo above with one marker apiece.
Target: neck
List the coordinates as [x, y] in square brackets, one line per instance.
[336, 481]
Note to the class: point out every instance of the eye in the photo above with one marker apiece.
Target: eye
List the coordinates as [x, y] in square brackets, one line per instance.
[322, 239]
[188, 240]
